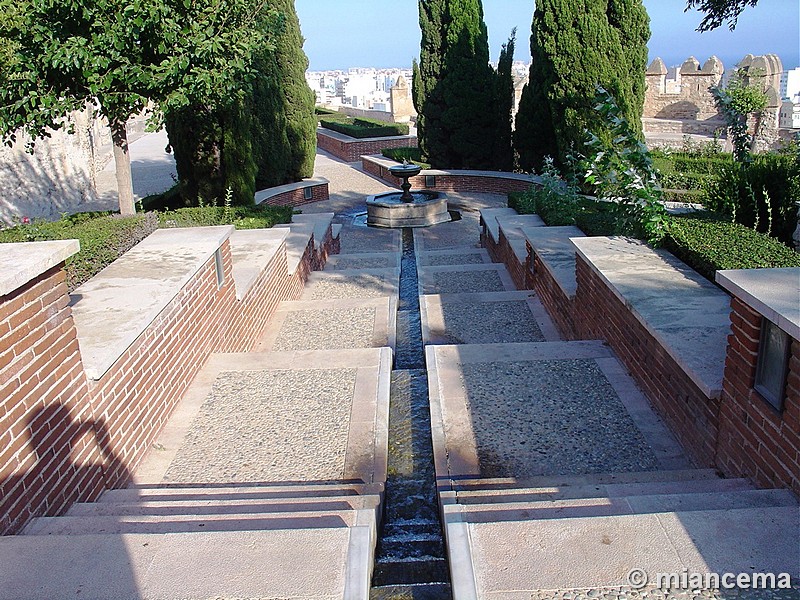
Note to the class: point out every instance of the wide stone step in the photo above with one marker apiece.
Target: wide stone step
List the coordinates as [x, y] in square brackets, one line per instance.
[178, 492]
[589, 507]
[615, 490]
[296, 563]
[226, 507]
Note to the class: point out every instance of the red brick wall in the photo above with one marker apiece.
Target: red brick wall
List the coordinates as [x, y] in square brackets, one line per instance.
[48, 457]
[691, 415]
[351, 151]
[558, 305]
[297, 197]
[755, 440]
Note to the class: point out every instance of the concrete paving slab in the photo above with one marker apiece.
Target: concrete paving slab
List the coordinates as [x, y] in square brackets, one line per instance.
[457, 279]
[461, 256]
[352, 283]
[549, 408]
[251, 252]
[113, 308]
[485, 318]
[331, 324]
[366, 260]
[557, 252]
[687, 313]
[279, 416]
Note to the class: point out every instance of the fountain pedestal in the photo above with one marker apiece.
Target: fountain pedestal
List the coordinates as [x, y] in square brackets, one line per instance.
[407, 209]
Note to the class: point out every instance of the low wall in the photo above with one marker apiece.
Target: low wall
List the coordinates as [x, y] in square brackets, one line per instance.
[487, 182]
[73, 427]
[351, 149]
[559, 306]
[295, 194]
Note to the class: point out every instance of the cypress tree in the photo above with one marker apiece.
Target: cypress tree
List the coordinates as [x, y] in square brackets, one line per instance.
[575, 45]
[503, 151]
[427, 76]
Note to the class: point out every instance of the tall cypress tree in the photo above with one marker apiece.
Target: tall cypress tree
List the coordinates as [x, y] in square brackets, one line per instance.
[504, 94]
[427, 77]
[575, 45]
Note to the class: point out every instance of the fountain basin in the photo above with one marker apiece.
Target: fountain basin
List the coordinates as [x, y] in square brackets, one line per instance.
[391, 210]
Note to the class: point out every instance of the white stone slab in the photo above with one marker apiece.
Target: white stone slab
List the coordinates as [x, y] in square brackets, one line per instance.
[774, 293]
[321, 222]
[511, 226]
[300, 234]
[113, 308]
[557, 253]
[251, 252]
[264, 195]
[25, 261]
[489, 218]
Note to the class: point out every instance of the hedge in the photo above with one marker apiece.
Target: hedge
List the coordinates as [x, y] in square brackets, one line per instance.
[365, 128]
[412, 155]
[260, 216]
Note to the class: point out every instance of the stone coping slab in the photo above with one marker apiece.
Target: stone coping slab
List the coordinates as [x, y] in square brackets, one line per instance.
[313, 563]
[352, 283]
[460, 256]
[489, 219]
[251, 252]
[774, 293]
[617, 426]
[300, 234]
[331, 324]
[437, 328]
[449, 279]
[364, 260]
[517, 558]
[365, 426]
[321, 221]
[689, 315]
[554, 248]
[511, 226]
[264, 195]
[113, 308]
[25, 261]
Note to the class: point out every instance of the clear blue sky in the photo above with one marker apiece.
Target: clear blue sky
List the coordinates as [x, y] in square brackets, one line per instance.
[384, 33]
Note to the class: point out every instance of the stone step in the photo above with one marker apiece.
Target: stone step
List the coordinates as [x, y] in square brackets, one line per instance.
[181, 492]
[352, 283]
[615, 490]
[364, 260]
[462, 256]
[414, 591]
[226, 507]
[496, 558]
[626, 505]
[402, 572]
[282, 563]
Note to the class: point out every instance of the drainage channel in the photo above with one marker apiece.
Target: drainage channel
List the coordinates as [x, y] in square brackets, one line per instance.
[410, 563]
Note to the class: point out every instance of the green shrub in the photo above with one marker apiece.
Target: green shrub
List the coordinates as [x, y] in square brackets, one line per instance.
[261, 216]
[708, 243]
[365, 128]
[103, 238]
[412, 155]
[332, 115]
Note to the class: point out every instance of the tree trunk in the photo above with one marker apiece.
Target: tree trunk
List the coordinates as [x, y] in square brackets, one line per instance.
[122, 160]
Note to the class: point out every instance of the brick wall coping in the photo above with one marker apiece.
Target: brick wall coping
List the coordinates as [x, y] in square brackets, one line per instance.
[300, 234]
[321, 222]
[388, 162]
[687, 314]
[554, 247]
[489, 219]
[511, 226]
[266, 194]
[774, 293]
[115, 306]
[24, 261]
[351, 140]
[251, 252]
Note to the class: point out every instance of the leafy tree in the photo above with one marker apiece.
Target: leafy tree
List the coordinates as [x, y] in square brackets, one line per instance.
[576, 45]
[737, 102]
[504, 94]
[718, 12]
[118, 56]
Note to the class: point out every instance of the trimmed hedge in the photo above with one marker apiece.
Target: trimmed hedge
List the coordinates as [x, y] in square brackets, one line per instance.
[412, 155]
[103, 237]
[242, 217]
[365, 128]
[707, 243]
[557, 209]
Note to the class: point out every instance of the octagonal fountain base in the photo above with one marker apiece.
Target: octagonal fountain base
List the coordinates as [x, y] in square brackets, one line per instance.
[389, 210]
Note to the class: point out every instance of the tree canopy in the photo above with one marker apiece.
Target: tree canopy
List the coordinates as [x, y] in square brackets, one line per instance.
[718, 12]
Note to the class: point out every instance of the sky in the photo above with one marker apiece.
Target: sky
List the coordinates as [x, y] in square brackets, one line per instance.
[385, 33]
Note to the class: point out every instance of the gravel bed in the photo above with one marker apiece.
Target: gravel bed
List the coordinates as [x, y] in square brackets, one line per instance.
[464, 258]
[463, 233]
[490, 322]
[457, 282]
[554, 417]
[282, 425]
[327, 329]
[361, 285]
[364, 262]
[360, 240]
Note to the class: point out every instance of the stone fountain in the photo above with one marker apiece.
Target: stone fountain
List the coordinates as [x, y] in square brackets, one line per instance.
[407, 209]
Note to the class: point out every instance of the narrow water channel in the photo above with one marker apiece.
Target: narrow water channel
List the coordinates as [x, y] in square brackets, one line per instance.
[410, 561]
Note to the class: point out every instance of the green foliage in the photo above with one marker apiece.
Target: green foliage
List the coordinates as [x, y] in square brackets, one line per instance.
[737, 102]
[261, 216]
[426, 89]
[103, 238]
[576, 46]
[718, 12]
[411, 155]
[504, 104]
[707, 244]
[620, 170]
[760, 194]
[365, 128]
